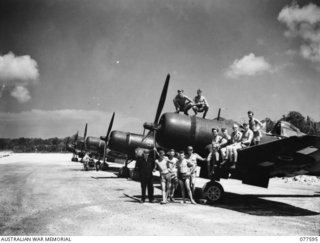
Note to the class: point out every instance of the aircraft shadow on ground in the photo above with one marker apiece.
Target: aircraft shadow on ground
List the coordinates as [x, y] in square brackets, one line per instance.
[255, 205]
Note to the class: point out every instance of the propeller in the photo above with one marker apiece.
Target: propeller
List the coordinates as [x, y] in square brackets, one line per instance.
[84, 138]
[154, 126]
[107, 137]
[67, 142]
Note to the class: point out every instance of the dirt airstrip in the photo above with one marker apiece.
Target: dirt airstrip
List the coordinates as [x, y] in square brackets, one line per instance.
[47, 194]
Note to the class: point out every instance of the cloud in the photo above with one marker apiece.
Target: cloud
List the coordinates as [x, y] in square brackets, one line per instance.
[249, 65]
[63, 123]
[304, 23]
[21, 94]
[17, 70]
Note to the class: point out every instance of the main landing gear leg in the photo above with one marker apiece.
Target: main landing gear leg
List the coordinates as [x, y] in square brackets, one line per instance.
[124, 171]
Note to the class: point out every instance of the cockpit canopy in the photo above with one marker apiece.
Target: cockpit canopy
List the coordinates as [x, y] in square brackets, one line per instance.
[286, 129]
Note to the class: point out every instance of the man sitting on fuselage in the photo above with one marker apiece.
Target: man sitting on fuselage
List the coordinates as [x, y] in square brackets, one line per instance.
[246, 139]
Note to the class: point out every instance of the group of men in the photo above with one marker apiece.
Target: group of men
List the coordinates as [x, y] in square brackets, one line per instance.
[227, 146]
[181, 168]
[183, 103]
[174, 168]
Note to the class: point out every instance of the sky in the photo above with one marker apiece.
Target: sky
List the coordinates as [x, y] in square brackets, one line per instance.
[65, 63]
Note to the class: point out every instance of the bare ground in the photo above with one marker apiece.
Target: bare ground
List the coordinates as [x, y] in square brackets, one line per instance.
[47, 194]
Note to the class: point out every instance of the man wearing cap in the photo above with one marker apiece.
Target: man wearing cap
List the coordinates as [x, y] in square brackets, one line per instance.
[184, 175]
[200, 104]
[145, 165]
[182, 102]
[246, 139]
[165, 178]
[193, 157]
[171, 165]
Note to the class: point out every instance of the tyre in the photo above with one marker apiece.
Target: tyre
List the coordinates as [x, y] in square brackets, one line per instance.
[86, 167]
[104, 166]
[75, 160]
[97, 167]
[135, 175]
[124, 172]
[213, 192]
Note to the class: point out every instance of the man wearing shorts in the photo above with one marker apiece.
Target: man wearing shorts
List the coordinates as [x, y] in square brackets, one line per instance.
[165, 177]
[236, 137]
[171, 165]
[213, 157]
[255, 125]
[184, 176]
[193, 157]
[223, 147]
[182, 102]
[246, 139]
[200, 104]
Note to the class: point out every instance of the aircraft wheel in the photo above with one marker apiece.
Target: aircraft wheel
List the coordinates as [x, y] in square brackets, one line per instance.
[86, 168]
[124, 172]
[135, 175]
[213, 192]
[97, 167]
[75, 160]
[72, 159]
[104, 166]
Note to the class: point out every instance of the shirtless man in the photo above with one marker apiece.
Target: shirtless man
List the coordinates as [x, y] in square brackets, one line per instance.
[193, 157]
[223, 147]
[165, 177]
[236, 137]
[200, 104]
[184, 175]
[246, 139]
[171, 165]
[255, 126]
[182, 102]
[213, 157]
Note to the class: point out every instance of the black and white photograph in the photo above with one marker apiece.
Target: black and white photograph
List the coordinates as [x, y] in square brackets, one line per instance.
[159, 118]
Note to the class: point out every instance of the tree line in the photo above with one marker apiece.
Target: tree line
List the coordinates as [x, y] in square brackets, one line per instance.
[306, 125]
[28, 145]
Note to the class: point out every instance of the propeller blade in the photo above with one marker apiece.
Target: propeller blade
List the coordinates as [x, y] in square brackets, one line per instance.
[162, 99]
[146, 136]
[85, 132]
[67, 143]
[76, 138]
[107, 136]
[84, 138]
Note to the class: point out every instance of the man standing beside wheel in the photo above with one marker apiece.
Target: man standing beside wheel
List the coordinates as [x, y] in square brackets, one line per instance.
[193, 157]
[145, 165]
